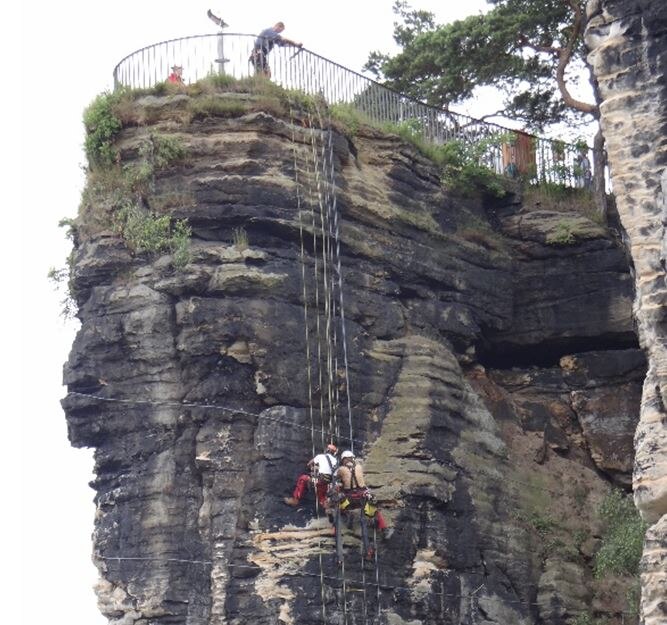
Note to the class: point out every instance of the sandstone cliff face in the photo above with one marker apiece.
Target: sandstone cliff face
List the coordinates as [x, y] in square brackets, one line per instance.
[628, 51]
[494, 382]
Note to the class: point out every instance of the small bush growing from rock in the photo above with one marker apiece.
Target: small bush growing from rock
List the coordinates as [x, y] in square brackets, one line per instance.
[144, 232]
[102, 127]
[464, 170]
[240, 238]
[563, 235]
[462, 162]
[348, 118]
[215, 107]
[622, 539]
[166, 149]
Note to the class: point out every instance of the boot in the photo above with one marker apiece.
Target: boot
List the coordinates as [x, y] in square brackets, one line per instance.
[291, 501]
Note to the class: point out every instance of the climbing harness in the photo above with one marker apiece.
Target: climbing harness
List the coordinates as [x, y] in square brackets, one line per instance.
[359, 500]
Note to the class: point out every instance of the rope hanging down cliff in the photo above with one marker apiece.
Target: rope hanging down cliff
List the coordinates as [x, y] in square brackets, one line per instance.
[323, 156]
[327, 155]
[309, 192]
[309, 376]
[319, 171]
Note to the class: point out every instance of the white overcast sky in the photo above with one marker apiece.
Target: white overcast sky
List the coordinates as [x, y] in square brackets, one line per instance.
[62, 55]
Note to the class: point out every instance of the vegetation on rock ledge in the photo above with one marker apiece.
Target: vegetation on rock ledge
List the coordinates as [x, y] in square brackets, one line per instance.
[622, 539]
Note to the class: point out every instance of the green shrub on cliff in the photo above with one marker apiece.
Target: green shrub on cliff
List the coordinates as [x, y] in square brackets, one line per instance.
[144, 232]
[156, 153]
[464, 170]
[622, 538]
[102, 126]
[61, 277]
[165, 149]
[563, 235]
[557, 197]
[348, 118]
[240, 237]
[212, 106]
[462, 162]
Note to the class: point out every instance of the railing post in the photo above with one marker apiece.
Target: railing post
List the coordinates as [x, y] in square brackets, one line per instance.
[221, 60]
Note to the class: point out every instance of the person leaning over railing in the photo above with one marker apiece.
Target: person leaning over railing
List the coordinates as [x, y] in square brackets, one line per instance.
[264, 43]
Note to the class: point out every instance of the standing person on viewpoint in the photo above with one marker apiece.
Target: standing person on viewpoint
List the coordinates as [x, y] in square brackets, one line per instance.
[264, 43]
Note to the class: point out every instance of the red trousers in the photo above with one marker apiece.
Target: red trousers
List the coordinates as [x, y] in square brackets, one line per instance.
[302, 485]
[379, 519]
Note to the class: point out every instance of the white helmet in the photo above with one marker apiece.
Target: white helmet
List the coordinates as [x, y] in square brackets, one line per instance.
[346, 454]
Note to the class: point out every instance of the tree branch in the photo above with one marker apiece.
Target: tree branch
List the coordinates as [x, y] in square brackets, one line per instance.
[523, 41]
[500, 113]
[565, 55]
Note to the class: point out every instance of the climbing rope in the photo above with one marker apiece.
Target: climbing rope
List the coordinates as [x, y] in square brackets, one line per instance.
[307, 340]
[326, 285]
[308, 173]
[329, 192]
[339, 275]
[313, 174]
[322, 205]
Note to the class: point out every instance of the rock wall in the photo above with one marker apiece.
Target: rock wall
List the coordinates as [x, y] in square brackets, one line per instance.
[627, 40]
[494, 379]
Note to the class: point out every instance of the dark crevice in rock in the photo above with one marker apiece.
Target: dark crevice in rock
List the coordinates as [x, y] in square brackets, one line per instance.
[549, 353]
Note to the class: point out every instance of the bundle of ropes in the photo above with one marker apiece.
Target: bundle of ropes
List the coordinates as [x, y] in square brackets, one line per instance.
[324, 321]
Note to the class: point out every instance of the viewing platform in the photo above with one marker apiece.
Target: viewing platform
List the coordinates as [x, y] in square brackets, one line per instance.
[506, 151]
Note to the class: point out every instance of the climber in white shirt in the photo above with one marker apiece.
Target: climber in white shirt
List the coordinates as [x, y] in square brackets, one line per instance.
[320, 471]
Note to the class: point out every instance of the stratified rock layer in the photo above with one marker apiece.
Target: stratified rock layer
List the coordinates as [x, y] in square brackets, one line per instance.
[193, 386]
[628, 51]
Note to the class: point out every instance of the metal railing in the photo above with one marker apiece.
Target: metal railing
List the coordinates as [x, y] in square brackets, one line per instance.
[503, 150]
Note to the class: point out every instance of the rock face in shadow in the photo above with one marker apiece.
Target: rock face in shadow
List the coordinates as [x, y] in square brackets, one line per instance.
[486, 369]
[627, 41]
